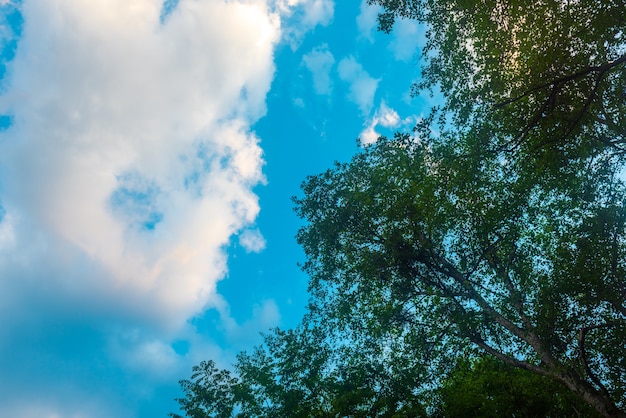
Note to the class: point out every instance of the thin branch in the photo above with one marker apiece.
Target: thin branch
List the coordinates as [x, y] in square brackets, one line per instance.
[583, 355]
[599, 68]
[496, 264]
[533, 122]
[476, 339]
[555, 88]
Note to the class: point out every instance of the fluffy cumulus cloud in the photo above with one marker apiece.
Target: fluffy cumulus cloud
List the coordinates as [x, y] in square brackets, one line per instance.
[361, 85]
[127, 168]
[320, 62]
[130, 149]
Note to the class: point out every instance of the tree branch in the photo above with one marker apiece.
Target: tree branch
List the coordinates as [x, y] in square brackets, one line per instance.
[516, 296]
[443, 266]
[555, 87]
[583, 355]
[476, 339]
[599, 68]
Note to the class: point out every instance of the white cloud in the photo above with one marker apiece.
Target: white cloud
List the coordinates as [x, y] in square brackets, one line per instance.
[302, 16]
[252, 240]
[153, 357]
[318, 12]
[367, 20]
[385, 117]
[320, 62]
[313, 12]
[132, 153]
[362, 86]
[128, 169]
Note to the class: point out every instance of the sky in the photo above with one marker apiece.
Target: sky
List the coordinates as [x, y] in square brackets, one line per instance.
[149, 151]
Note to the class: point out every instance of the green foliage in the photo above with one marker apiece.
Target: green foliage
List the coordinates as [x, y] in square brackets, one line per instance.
[487, 387]
[544, 76]
[210, 393]
[299, 373]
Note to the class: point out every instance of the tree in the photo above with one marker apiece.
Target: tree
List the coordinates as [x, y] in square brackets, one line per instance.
[210, 392]
[499, 226]
[406, 243]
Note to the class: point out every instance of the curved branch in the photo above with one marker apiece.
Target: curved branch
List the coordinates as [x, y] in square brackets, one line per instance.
[582, 333]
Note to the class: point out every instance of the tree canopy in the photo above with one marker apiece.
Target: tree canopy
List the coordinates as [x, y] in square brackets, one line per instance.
[303, 372]
[299, 373]
[546, 76]
[439, 257]
[488, 244]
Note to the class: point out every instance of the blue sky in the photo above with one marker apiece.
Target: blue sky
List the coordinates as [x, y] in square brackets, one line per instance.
[148, 153]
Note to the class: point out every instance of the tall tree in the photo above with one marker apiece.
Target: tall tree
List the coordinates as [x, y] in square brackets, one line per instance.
[411, 243]
[504, 225]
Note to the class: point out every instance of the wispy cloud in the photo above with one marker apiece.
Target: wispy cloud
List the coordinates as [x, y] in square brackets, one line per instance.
[252, 240]
[320, 62]
[385, 117]
[264, 316]
[362, 86]
[307, 13]
[367, 19]
[409, 36]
